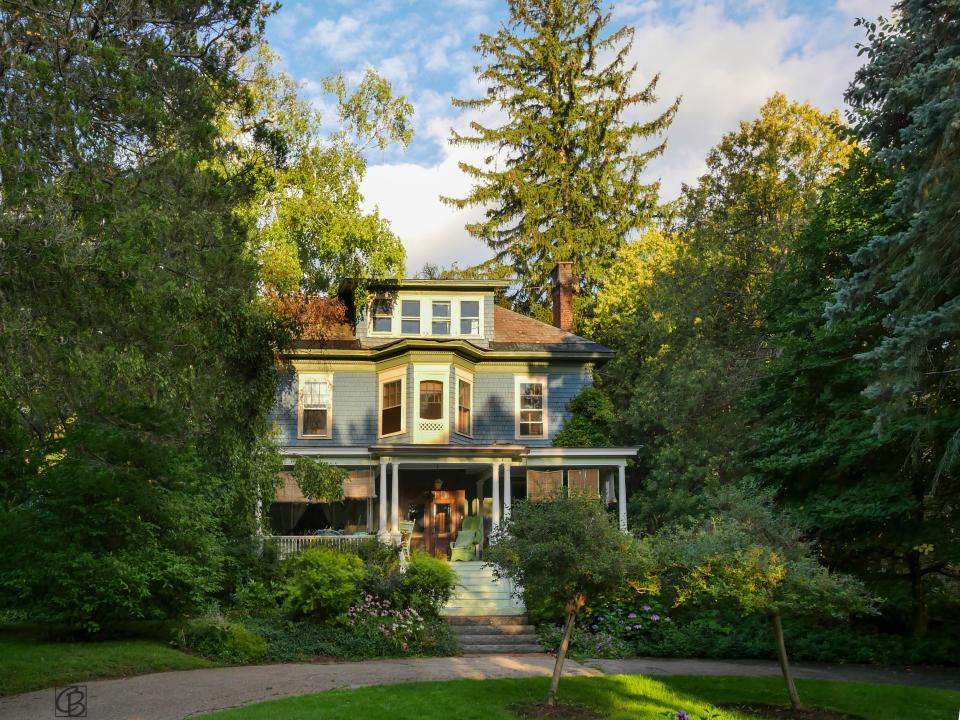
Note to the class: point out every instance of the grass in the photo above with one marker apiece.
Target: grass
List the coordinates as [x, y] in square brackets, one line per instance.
[30, 663]
[618, 697]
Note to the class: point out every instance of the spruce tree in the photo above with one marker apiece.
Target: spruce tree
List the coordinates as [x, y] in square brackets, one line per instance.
[562, 182]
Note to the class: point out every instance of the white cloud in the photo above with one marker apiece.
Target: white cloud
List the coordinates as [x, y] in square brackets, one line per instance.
[724, 68]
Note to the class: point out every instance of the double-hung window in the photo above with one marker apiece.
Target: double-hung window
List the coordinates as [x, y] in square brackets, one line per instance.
[315, 406]
[464, 404]
[431, 400]
[410, 317]
[440, 316]
[392, 420]
[382, 311]
[469, 317]
[531, 407]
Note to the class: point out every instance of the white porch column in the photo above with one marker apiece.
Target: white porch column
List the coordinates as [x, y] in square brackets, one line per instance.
[622, 496]
[495, 496]
[395, 500]
[506, 490]
[382, 529]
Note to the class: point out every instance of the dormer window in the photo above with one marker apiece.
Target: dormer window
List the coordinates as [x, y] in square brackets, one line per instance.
[382, 315]
[410, 317]
[469, 317]
[440, 317]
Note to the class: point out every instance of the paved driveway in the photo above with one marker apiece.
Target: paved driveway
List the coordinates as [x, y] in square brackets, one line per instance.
[178, 695]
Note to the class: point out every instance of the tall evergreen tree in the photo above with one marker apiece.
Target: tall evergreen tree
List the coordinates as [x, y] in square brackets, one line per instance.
[906, 106]
[563, 180]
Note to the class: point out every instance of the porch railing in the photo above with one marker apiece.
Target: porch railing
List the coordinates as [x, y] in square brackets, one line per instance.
[288, 545]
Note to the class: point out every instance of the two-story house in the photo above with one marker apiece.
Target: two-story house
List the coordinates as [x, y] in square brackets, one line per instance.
[441, 404]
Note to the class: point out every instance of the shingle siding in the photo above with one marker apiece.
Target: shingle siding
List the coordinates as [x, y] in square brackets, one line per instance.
[355, 407]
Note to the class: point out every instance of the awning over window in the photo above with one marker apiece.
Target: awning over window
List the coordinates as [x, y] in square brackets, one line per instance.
[359, 486]
[543, 484]
[584, 482]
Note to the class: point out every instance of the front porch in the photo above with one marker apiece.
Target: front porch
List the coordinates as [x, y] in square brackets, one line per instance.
[433, 488]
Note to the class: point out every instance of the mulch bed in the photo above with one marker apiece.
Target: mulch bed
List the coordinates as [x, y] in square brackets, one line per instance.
[778, 712]
[565, 712]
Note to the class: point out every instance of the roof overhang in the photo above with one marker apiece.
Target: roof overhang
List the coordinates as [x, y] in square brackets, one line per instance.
[472, 284]
[466, 454]
[461, 347]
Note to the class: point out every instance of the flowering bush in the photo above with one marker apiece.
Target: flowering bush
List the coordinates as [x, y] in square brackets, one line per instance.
[404, 631]
[626, 622]
[584, 644]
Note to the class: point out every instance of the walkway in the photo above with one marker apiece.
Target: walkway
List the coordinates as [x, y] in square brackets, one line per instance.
[177, 695]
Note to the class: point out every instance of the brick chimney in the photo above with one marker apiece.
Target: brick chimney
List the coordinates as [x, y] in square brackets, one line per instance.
[562, 277]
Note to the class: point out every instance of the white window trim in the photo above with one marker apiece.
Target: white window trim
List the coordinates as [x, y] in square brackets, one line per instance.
[303, 378]
[398, 373]
[460, 374]
[426, 315]
[517, 380]
[440, 372]
[410, 317]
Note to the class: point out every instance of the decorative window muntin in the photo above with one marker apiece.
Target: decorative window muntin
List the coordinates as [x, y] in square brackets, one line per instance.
[316, 406]
[431, 400]
[464, 406]
[531, 407]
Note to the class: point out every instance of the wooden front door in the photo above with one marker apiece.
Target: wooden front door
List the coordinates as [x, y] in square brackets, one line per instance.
[442, 517]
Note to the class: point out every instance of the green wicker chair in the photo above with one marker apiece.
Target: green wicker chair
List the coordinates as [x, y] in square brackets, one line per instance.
[468, 539]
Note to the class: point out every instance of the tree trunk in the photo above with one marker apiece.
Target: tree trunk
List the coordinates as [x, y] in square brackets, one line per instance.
[561, 655]
[785, 662]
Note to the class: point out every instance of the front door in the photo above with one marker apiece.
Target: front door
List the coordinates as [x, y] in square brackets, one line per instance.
[442, 517]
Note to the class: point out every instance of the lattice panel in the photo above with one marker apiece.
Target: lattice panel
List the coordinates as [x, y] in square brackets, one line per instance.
[426, 426]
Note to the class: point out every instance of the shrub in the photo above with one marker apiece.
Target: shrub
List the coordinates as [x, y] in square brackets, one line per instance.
[254, 596]
[323, 583]
[628, 622]
[426, 585]
[584, 644]
[217, 639]
[382, 563]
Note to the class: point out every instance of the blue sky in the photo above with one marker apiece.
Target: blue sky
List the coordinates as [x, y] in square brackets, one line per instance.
[723, 57]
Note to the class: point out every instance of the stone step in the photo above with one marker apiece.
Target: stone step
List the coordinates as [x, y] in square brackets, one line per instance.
[488, 620]
[450, 612]
[492, 591]
[512, 628]
[500, 649]
[497, 639]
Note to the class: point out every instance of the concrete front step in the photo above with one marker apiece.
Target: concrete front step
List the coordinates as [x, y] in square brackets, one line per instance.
[497, 649]
[488, 620]
[472, 630]
[469, 640]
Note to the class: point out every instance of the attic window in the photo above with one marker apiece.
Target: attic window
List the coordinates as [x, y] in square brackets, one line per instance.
[441, 317]
[469, 317]
[382, 315]
[410, 317]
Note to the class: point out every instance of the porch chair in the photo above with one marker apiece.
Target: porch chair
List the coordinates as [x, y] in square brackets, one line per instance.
[468, 539]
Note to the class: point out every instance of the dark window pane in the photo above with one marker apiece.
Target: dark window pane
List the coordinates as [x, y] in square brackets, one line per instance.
[469, 327]
[431, 400]
[410, 308]
[391, 420]
[410, 326]
[383, 324]
[314, 422]
[531, 429]
[470, 309]
[441, 328]
[441, 309]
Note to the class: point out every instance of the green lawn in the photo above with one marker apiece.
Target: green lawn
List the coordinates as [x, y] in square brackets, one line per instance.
[617, 697]
[27, 663]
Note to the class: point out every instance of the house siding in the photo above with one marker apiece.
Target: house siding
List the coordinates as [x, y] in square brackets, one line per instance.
[355, 407]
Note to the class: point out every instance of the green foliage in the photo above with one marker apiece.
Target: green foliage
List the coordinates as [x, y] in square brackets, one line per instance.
[426, 584]
[214, 638]
[690, 305]
[568, 184]
[323, 583]
[590, 423]
[742, 551]
[906, 104]
[254, 596]
[584, 644]
[567, 550]
[319, 480]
